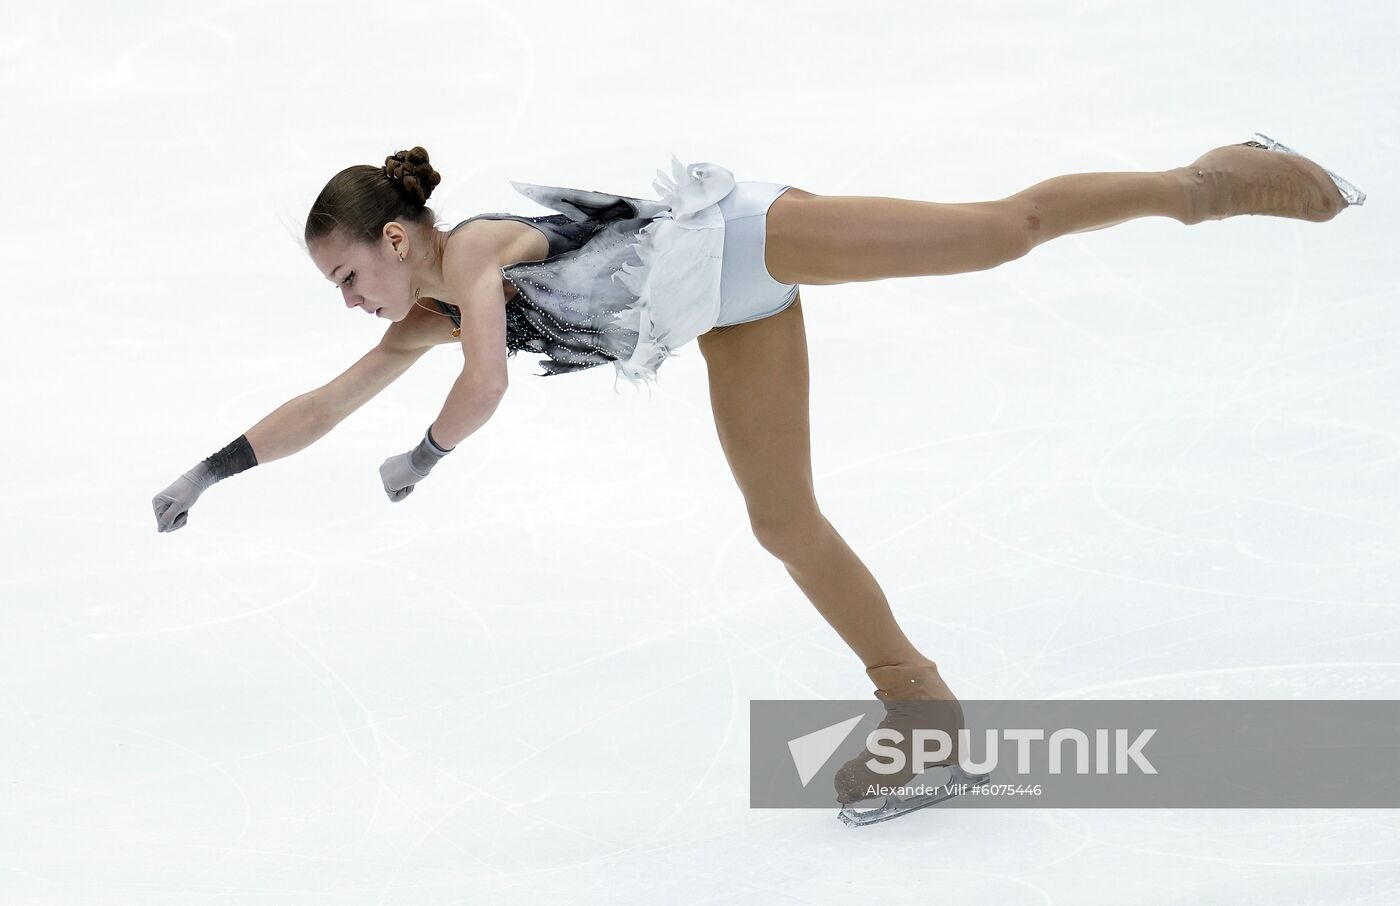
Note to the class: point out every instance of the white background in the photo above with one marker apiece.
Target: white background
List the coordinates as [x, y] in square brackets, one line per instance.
[1152, 461]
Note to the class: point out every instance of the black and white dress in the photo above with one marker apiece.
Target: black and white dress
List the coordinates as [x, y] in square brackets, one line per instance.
[627, 281]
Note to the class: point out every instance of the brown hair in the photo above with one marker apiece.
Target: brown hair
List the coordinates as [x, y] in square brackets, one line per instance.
[359, 200]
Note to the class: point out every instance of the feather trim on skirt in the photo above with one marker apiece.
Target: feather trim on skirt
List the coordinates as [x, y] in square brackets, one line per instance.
[644, 284]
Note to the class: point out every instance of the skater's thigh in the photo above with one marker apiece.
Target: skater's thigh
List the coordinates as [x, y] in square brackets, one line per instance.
[821, 240]
[759, 395]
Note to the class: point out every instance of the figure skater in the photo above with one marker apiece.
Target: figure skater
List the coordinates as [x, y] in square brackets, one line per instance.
[618, 280]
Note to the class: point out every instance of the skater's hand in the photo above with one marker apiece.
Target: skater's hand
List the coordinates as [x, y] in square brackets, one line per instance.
[400, 473]
[172, 506]
[399, 476]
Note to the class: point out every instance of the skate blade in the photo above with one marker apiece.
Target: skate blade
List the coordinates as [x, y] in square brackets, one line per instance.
[894, 806]
[1351, 193]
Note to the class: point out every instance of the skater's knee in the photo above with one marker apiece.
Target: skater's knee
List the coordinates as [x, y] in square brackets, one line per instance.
[787, 532]
[1017, 224]
[979, 236]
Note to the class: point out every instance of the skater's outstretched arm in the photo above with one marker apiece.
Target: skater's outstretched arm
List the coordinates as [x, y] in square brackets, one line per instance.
[478, 293]
[295, 424]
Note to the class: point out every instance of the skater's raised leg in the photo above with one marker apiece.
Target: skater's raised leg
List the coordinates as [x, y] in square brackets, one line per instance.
[830, 239]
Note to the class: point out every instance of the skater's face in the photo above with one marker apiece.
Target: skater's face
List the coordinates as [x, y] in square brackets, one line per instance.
[370, 276]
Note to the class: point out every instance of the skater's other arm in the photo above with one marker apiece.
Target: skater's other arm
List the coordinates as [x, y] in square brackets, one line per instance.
[473, 276]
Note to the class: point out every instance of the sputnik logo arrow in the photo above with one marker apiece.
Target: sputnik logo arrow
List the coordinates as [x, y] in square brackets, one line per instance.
[811, 751]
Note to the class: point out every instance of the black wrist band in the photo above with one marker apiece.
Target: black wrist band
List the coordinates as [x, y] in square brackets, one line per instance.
[231, 460]
[437, 446]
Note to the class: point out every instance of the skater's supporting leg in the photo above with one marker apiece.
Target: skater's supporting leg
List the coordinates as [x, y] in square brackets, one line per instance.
[828, 239]
[759, 393]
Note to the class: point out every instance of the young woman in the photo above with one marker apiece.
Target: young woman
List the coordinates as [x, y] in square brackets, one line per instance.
[621, 280]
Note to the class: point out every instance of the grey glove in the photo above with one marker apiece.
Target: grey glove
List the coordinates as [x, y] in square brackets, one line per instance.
[400, 473]
[172, 506]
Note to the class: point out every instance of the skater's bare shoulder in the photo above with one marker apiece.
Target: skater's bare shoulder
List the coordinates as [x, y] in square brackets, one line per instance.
[474, 252]
[495, 243]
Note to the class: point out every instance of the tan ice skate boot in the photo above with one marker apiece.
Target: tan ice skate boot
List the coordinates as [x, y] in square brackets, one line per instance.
[915, 697]
[1263, 177]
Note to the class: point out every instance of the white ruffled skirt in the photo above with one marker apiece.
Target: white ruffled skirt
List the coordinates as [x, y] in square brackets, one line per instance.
[644, 284]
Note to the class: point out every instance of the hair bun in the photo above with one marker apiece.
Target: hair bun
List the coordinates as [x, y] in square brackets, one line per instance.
[411, 172]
